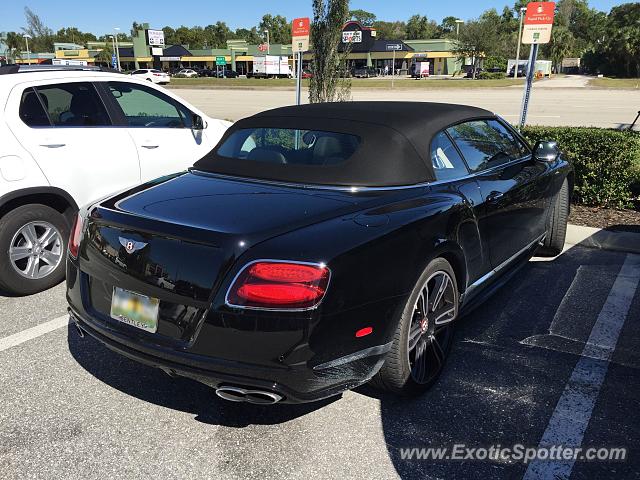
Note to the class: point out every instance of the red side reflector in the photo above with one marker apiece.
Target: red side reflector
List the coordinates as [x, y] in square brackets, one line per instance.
[74, 238]
[279, 285]
[363, 332]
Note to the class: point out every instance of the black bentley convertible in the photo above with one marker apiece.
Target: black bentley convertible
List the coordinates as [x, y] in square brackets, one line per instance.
[318, 247]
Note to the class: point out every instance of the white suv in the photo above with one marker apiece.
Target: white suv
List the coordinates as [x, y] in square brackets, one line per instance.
[70, 136]
[152, 75]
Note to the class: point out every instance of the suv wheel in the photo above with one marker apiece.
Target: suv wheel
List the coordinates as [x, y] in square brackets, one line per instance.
[33, 241]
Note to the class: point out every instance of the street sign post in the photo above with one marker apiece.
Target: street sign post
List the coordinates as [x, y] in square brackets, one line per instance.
[221, 62]
[300, 28]
[538, 22]
[393, 47]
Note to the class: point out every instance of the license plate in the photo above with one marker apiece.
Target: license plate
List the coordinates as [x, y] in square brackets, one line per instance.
[134, 309]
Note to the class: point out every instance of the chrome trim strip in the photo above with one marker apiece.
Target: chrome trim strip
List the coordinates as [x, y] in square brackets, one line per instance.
[500, 267]
[315, 264]
[355, 189]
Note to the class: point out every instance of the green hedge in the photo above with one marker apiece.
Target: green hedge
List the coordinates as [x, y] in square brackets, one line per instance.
[491, 75]
[606, 162]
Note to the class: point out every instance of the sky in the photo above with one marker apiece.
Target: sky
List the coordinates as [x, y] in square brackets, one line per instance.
[101, 17]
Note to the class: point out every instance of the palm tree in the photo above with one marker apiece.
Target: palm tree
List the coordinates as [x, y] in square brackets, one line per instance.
[562, 41]
[14, 43]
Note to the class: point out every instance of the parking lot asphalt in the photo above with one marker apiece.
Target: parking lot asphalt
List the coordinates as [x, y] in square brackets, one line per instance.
[71, 408]
[548, 106]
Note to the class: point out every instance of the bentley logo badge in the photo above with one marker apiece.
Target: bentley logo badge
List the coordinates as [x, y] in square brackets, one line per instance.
[130, 245]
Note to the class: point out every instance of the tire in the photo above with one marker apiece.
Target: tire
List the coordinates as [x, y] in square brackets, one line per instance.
[21, 273]
[557, 223]
[402, 372]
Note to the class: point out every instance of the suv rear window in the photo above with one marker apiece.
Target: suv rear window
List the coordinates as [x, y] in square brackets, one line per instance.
[289, 146]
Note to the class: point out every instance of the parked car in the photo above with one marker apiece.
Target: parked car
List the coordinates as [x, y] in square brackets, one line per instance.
[188, 72]
[306, 74]
[205, 72]
[471, 70]
[152, 75]
[365, 72]
[227, 74]
[522, 70]
[70, 136]
[318, 247]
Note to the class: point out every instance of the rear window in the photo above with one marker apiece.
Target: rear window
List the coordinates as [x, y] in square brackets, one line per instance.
[289, 146]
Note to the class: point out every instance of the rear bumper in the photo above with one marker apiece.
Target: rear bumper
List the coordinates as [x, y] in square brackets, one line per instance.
[301, 384]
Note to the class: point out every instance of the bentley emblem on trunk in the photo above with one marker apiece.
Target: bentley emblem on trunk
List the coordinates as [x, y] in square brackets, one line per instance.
[130, 245]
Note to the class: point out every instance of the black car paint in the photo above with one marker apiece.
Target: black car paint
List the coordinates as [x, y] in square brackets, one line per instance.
[203, 228]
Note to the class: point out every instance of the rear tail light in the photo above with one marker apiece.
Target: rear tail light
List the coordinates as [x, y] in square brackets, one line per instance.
[157, 74]
[76, 236]
[279, 285]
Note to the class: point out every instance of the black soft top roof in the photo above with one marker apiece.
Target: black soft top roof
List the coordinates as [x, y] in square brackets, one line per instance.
[394, 142]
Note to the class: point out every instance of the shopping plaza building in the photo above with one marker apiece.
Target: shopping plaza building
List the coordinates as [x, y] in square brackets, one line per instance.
[359, 43]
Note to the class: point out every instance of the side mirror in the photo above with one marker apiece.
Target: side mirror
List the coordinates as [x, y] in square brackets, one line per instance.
[546, 151]
[197, 122]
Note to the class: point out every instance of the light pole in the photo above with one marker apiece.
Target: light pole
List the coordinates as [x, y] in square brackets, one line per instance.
[515, 72]
[26, 39]
[117, 29]
[268, 45]
[113, 46]
[458, 22]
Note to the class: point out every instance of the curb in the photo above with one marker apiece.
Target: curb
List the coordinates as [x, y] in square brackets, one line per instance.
[590, 237]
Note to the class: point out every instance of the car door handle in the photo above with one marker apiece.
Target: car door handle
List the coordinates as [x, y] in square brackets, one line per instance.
[494, 196]
[150, 147]
[52, 145]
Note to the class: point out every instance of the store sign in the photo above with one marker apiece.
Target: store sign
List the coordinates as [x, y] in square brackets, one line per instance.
[263, 47]
[538, 22]
[155, 38]
[352, 36]
[394, 46]
[300, 29]
[156, 51]
[169, 59]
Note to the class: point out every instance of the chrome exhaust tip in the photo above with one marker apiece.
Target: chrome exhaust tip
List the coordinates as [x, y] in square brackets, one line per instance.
[257, 397]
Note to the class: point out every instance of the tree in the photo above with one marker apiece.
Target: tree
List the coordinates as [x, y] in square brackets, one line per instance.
[105, 54]
[41, 35]
[448, 26]
[561, 45]
[362, 16]
[251, 36]
[390, 30]
[73, 35]
[418, 26]
[477, 39]
[15, 43]
[278, 27]
[216, 36]
[622, 41]
[326, 33]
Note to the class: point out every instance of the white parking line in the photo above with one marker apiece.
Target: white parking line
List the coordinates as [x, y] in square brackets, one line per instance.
[33, 332]
[571, 416]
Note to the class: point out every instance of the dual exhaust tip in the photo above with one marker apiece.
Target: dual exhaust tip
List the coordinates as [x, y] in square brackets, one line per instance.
[233, 394]
[258, 397]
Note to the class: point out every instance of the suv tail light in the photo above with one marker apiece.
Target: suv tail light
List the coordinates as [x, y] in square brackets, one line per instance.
[276, 285]
[76, 235]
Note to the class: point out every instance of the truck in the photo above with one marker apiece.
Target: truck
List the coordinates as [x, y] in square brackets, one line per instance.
[270, 66]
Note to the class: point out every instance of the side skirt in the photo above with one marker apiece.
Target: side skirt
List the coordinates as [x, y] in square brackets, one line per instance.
[486, 286]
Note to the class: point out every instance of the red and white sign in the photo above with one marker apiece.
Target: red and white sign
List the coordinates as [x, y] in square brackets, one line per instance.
[263, 47]
[300, 28]
[538, 22]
